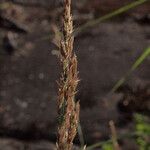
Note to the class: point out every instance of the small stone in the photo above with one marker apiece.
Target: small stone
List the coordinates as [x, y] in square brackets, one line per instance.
[41, 76]
[21, 104]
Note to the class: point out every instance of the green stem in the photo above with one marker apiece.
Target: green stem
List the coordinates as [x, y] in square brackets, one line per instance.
[128, 135]
[110, 15]
[136, 64]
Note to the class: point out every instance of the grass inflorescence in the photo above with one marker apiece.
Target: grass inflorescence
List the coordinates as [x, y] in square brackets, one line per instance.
[68, 108]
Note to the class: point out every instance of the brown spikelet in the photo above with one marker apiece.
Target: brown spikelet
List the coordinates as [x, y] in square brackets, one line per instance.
[68, 109]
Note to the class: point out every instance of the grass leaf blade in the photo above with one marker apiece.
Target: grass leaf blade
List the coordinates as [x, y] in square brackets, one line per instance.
[109, 15]
[139, 61]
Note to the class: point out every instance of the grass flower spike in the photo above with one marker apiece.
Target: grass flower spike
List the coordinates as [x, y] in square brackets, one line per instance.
[68, 108]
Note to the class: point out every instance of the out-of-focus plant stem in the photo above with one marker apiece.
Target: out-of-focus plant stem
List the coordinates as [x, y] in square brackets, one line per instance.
[117, 12]
[136, 64]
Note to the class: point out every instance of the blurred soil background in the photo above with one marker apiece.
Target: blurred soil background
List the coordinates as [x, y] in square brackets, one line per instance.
[29, 69]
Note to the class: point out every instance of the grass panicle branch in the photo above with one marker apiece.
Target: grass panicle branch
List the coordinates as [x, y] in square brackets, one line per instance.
[68, 108]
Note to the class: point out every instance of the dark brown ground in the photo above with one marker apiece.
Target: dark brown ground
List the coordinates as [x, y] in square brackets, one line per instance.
[105, 53]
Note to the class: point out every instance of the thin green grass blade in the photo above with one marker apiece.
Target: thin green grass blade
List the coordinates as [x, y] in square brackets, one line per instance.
[120, 137]
[99, 144]
[141, 59]
[137, 63]
[81, 137]
[110, 15]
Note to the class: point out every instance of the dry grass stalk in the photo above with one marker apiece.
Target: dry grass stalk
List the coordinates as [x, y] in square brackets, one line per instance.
[114, 136]
[68, 109]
